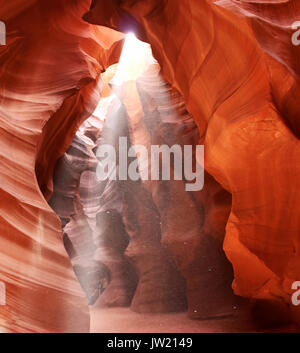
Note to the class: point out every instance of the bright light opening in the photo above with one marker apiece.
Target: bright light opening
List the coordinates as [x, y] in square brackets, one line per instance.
[135, 58]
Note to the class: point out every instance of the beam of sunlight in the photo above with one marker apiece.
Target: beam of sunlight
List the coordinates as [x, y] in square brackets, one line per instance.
[127, 109]
[135, 58]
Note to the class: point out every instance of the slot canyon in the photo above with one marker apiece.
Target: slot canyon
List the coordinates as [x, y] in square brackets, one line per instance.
[129, 252]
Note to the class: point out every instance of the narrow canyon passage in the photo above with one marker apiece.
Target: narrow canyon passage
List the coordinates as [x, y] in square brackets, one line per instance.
[128, 242]
[149, 175]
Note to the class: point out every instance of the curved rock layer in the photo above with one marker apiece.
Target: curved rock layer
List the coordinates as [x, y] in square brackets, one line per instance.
[274, 26]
